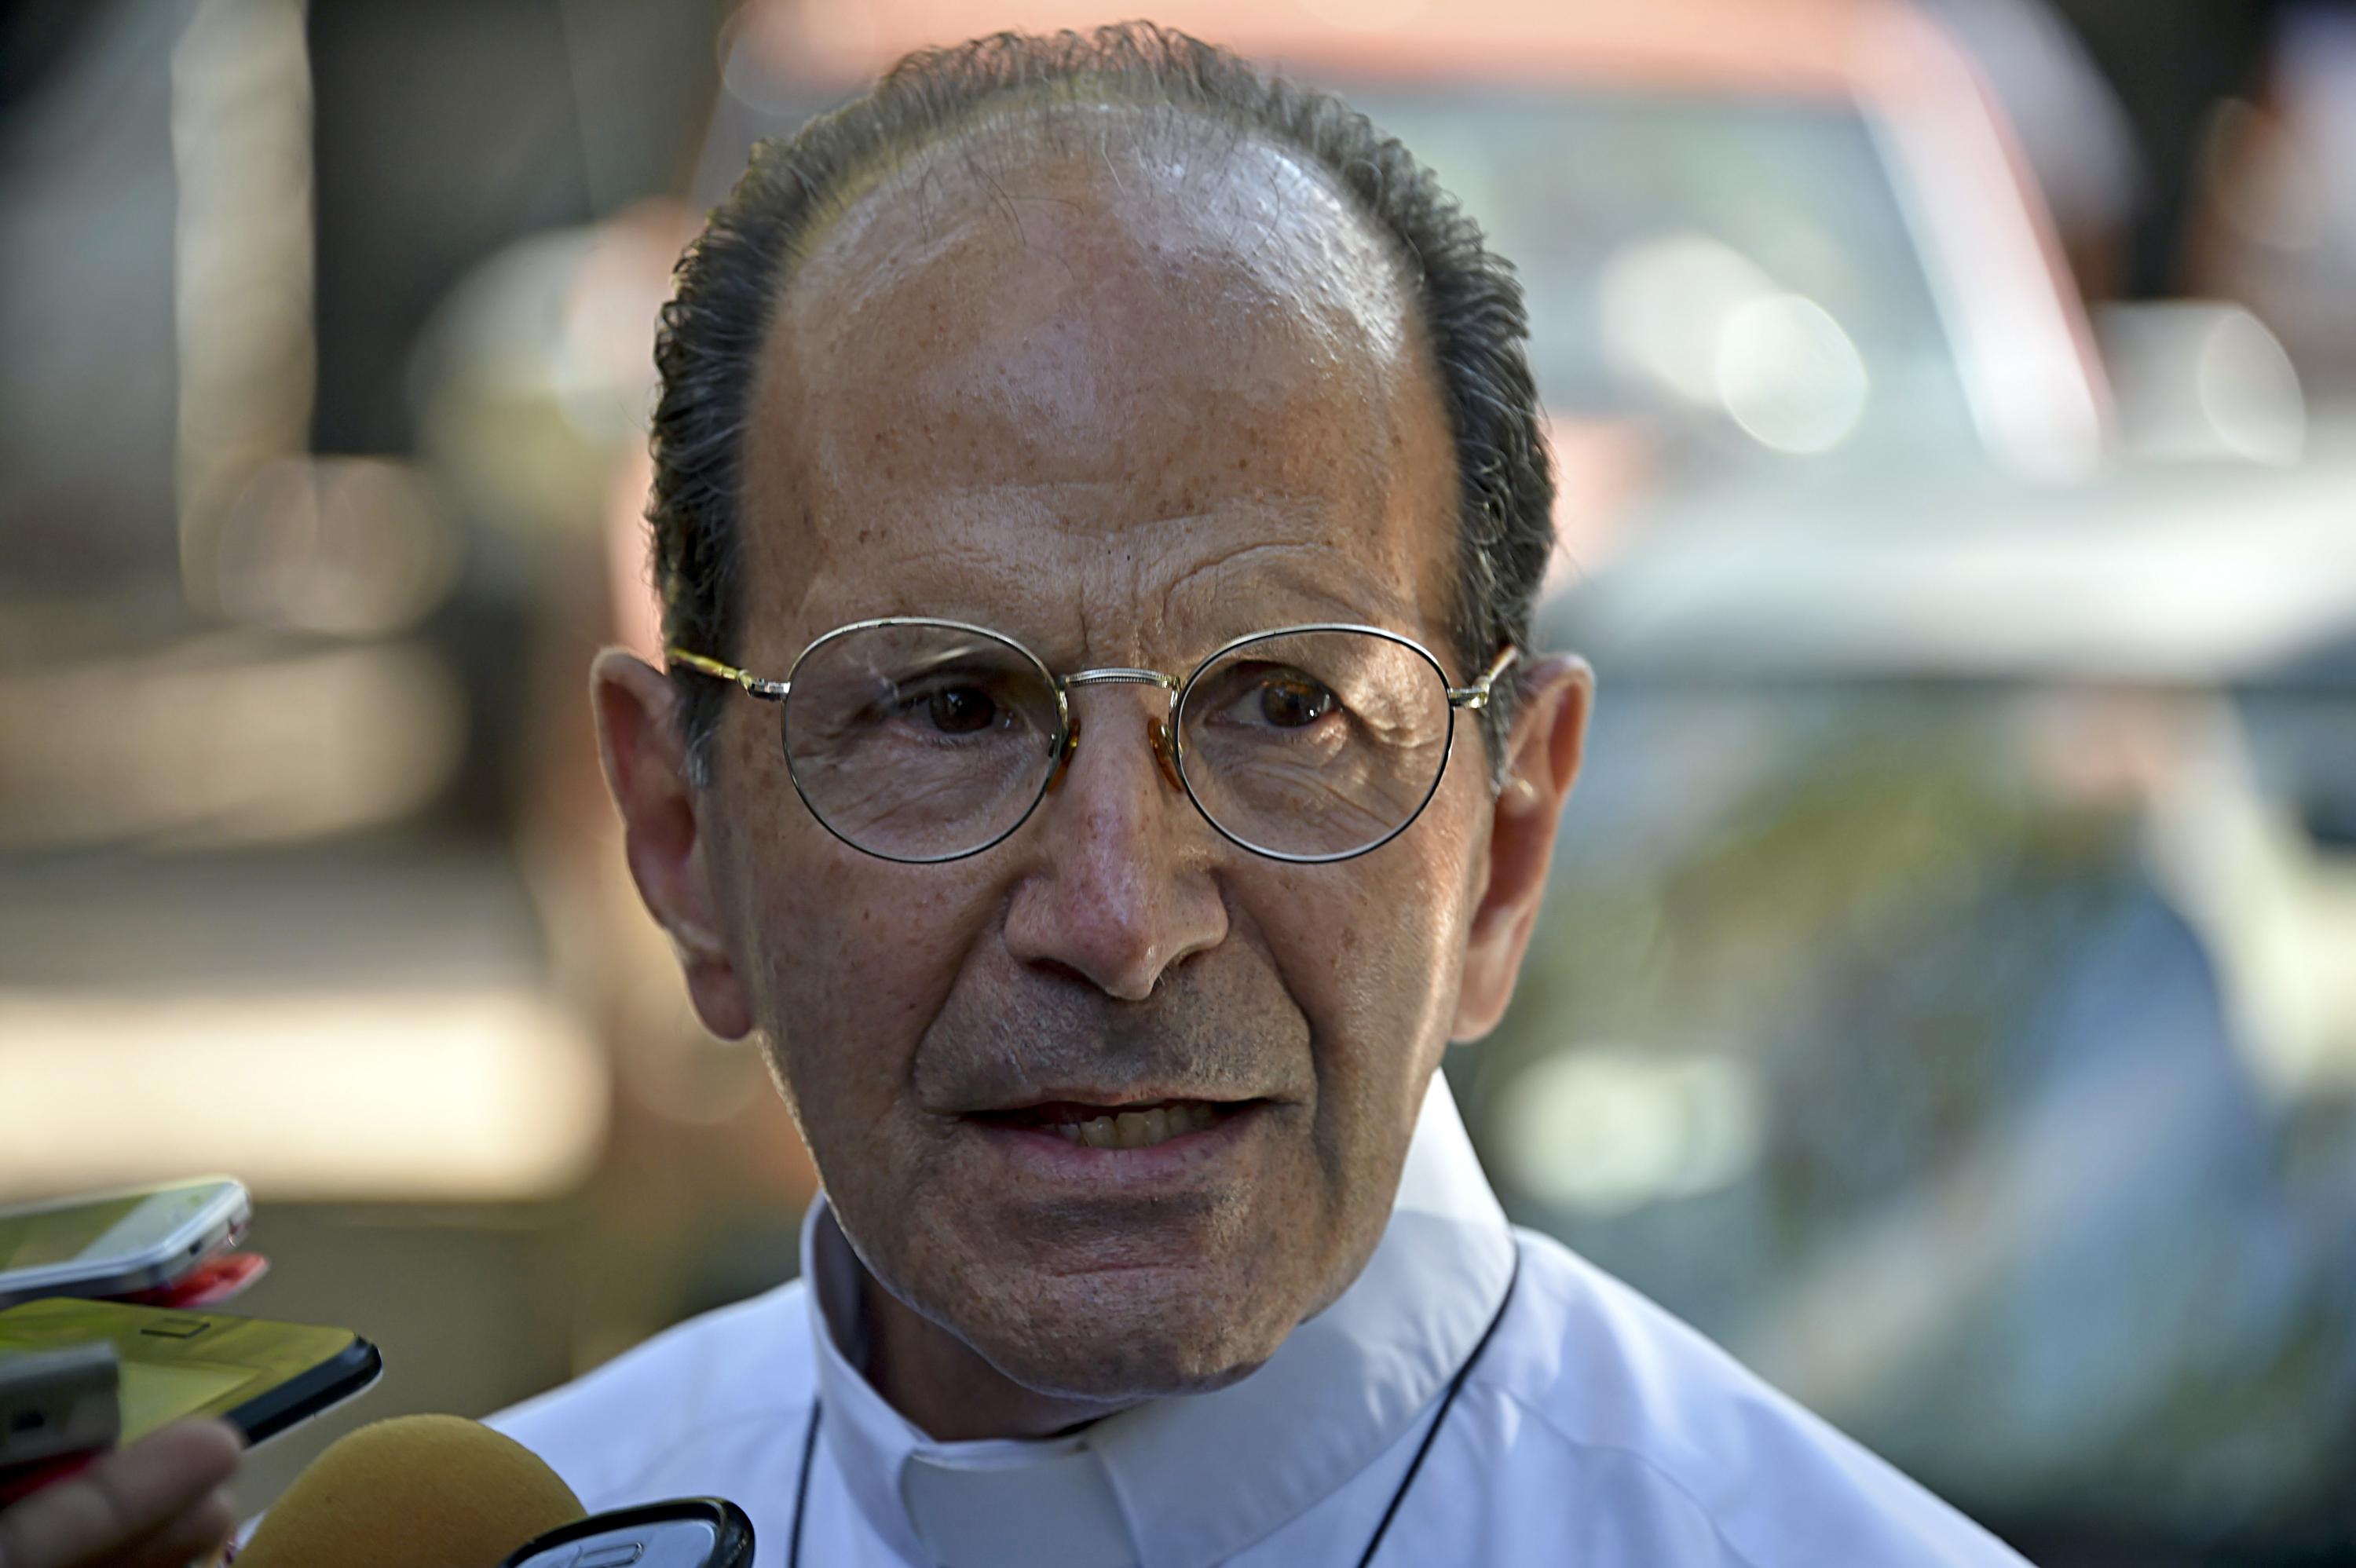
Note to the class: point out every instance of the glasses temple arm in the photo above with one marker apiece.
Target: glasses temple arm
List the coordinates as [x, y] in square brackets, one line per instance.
[1477, 694]
[773, 690]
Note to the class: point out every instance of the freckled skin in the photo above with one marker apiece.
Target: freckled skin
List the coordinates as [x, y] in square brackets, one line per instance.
[1123, 410]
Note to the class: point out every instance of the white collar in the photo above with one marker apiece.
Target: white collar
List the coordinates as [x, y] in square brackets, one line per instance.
[1132, 1489]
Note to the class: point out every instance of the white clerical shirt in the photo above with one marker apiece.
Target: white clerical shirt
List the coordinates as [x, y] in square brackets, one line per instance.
[1592, 1429]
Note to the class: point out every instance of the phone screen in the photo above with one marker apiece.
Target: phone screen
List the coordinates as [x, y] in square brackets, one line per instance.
[60, 1235]
[154, 1394]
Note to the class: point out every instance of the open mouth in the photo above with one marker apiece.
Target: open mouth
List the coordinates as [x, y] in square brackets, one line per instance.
[1118, 1127]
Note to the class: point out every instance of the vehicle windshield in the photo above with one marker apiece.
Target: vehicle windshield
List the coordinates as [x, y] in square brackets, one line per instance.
[1737, 265]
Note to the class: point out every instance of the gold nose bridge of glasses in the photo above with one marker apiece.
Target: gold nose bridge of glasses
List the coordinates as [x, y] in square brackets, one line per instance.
[1158, 730]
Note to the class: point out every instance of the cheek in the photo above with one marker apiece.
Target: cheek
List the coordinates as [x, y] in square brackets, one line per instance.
[1378, 967]
[850, 960]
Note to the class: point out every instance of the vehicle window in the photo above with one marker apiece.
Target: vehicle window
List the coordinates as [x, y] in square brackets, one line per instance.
[1738, 262]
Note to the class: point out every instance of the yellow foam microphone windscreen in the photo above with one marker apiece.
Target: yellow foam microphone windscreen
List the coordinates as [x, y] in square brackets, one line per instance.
[413, 1491]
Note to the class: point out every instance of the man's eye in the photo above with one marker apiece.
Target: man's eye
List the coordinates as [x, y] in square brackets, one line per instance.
[959, 709]
[1290, 704]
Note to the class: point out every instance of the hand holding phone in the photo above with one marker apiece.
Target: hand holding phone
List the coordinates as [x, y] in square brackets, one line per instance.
[156, 1504]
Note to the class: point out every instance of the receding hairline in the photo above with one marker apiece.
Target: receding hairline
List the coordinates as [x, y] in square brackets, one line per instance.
[1046, 114]
[1037, 128]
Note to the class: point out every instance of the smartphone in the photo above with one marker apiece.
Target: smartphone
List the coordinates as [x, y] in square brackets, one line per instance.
[692, 1532]
[58, 1402]
[261, 1377]
[116, 1243]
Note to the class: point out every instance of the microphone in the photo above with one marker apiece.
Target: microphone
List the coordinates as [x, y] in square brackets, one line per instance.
[435, 1491]
[413, 1491]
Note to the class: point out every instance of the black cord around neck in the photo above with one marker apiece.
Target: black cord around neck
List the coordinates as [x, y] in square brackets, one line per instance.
[1455, 1386]
[801, 1487]
[1366, 1560]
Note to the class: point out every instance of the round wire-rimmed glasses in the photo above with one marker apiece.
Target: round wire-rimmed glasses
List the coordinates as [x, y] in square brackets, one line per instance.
[922, 740]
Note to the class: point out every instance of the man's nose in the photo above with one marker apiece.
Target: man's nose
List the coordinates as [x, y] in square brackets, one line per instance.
[1120, 887]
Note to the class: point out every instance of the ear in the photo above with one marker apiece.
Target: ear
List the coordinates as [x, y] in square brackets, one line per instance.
[663, 830]
[1549, 736]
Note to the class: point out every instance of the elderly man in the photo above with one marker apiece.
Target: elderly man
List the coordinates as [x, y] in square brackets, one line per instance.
[1099, 502]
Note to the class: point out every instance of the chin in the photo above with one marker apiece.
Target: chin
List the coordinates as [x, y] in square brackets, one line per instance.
[1119, 1340]
[1101, 1369]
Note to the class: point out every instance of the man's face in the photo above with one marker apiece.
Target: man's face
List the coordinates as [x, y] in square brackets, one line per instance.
[1123, 407]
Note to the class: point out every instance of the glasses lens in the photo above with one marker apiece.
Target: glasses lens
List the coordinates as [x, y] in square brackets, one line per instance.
[919, 743]
[1315, 745]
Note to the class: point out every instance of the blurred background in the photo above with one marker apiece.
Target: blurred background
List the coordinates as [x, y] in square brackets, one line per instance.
[1948, 996]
